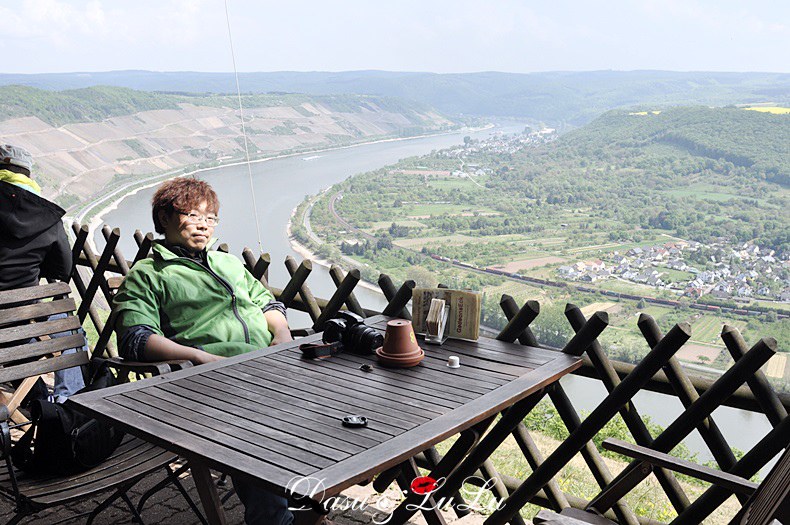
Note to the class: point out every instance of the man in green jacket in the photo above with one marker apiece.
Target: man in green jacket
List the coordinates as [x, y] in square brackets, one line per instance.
[185, 302]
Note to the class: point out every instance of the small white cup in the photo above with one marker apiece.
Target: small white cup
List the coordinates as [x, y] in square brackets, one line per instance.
[453, 362]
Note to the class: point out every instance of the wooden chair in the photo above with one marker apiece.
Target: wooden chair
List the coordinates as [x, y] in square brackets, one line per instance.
[27, 353]
[15, 312]
[768, 501]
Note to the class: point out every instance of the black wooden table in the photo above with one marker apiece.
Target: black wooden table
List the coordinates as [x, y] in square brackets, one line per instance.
[272, 416]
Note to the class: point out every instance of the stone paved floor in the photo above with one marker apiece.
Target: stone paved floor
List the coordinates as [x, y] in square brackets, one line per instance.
[168, 507]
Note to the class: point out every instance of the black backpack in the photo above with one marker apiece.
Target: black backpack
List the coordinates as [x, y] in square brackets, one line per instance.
[63, 441]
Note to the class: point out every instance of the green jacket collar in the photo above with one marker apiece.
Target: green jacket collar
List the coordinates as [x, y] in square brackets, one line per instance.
[160, 251]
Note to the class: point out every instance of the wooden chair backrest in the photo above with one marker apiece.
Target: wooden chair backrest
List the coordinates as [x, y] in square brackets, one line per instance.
[771, 500]
[113, 283]
[23, 318]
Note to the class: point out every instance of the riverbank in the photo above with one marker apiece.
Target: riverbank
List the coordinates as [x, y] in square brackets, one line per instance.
[306, 253]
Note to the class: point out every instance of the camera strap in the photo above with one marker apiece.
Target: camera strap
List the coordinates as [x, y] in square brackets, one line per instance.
[320, 350]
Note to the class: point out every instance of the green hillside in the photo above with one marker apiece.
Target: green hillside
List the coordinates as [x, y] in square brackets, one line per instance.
[93, 104]
[756, 141]
[628, 178]
[632, 182]
[78, 105]
[699, 172]
[559, 98]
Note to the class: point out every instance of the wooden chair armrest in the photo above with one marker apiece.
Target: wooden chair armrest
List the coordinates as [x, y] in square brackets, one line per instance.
[146, 367]
[302, 332]
[725, 480]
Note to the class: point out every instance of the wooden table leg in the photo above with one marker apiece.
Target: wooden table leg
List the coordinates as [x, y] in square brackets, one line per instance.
[208, 493]
[431, 511]
[479, 453]
[465, 442]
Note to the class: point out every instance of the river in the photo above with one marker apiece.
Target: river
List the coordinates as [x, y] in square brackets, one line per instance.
[281, 184]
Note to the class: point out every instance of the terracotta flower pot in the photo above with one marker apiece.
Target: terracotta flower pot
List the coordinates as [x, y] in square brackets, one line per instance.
[400, 345]
[399, 338]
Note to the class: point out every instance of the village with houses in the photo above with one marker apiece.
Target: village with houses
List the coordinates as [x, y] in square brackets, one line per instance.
[500, 143]
[726, 272]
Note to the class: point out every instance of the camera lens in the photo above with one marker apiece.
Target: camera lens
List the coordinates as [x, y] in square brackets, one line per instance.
[364, 340]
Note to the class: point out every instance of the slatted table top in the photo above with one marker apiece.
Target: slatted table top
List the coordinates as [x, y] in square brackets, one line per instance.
[274, 416]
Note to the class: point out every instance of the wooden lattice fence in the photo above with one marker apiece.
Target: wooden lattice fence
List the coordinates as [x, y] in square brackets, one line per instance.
[659, 371]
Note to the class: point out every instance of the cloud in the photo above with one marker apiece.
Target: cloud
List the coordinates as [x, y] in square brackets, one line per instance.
[439, 35]
[71, 24]
[718, 16]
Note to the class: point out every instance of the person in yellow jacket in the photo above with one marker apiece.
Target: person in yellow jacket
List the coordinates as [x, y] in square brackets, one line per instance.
[33, 245]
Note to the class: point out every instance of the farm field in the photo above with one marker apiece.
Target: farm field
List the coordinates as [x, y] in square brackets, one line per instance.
[456, 183]
[380, 225]
[420, 211]
[674, 275]
[692, 352]
[549, 273]
[626, 287]
[653, 310]
[519, 291]
[526, 264]
[776, 110]
[599, 307]
[436, 173]
[447, 240]
[704, 191]
[545, 241]
[707, 328]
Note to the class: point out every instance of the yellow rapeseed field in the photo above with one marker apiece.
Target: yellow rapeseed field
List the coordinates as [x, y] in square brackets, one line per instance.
[776, 110]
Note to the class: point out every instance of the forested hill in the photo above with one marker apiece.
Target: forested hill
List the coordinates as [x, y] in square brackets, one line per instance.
[78, 105]
[558, 98]
[94, 104]
[757, 141]
[703, 173]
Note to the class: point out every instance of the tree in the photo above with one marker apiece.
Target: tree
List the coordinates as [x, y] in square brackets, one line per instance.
[551, 328]
[384, 242]
[422, 277]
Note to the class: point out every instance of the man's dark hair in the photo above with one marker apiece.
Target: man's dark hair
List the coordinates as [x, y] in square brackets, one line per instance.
[183, 194]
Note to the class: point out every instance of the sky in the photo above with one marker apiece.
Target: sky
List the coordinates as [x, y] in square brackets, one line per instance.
[519, 36]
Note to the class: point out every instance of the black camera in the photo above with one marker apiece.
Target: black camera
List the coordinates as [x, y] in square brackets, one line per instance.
[350, 331]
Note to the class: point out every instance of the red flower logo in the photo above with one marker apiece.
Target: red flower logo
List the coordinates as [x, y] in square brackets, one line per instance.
[423, 485]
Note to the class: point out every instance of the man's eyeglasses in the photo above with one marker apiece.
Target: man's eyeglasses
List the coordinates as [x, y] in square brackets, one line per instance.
[194, 218]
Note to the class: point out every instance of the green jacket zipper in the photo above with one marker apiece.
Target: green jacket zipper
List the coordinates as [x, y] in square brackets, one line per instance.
[225, 284]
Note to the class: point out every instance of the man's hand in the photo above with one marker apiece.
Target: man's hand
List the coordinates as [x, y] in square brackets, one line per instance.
[159, 348]
[202, 357]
